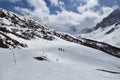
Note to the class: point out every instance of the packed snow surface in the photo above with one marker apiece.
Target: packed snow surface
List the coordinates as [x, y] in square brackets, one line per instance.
[65, 61]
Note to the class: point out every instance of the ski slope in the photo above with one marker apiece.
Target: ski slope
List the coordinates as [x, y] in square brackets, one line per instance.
[76, 62]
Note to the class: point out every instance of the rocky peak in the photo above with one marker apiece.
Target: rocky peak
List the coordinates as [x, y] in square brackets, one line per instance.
[111, 19]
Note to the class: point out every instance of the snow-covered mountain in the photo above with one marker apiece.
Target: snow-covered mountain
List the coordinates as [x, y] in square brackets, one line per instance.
[111, 19]
[15, 31]
[107, 30]
[14, 26]
[51, 55]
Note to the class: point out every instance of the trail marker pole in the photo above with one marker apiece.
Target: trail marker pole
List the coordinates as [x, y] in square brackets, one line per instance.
[14, 58]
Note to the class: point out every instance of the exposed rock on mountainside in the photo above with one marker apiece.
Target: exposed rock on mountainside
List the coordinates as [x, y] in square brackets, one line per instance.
[14, 28]
[111, 19]
[12, 24]
[106, 31]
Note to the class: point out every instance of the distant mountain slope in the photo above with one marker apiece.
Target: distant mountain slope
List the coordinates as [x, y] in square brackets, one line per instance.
[110, 20]
[110, 35]
[16, 31]
[107, 30]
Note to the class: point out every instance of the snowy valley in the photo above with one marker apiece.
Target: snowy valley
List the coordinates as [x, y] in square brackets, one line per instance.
[41, 53]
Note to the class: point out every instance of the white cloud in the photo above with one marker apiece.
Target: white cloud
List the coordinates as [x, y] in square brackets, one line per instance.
[40, 13]
[57, 3]
[61, 5]
[67, 21]
[89, 4]
[54, 2]
[106, 11]
[39, 4]
[23, 11]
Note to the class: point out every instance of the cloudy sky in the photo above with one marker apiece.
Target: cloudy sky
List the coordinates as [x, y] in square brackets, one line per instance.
[63, 15]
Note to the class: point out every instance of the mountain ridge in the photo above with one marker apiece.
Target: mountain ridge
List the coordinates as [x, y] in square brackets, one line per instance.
[20, 29]
[106, 31]
[112, 18]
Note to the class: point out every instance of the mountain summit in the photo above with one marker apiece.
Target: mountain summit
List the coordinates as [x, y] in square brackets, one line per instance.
[107, 30]
[111, 19]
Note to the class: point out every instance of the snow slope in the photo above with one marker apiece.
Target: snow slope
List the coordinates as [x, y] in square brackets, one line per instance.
[107, 30]
[76, 62]
[108, 35]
